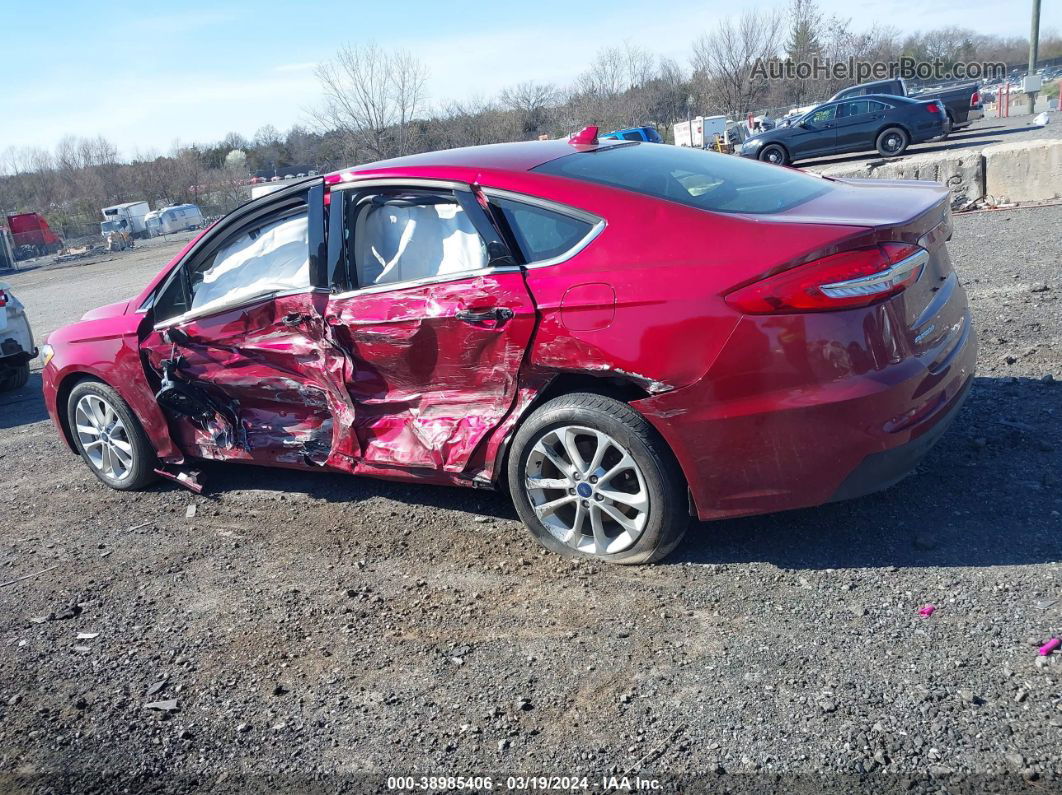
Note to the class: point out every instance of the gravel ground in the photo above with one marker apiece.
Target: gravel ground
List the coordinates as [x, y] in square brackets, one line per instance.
[318, 632]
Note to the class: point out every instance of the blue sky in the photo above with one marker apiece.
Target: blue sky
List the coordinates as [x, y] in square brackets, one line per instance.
[148, 74]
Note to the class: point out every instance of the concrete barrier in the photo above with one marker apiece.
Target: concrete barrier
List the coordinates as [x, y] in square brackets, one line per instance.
[1026, 171]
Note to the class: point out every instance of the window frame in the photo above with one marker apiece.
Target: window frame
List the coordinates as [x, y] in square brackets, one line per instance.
[308, 195]
[499, 253]
[597, 224]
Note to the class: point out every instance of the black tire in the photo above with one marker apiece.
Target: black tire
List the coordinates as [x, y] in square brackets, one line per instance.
[668, 511]
[141, 471]
[15, 377]
[892, 142]
[774, 153]
[949, 126]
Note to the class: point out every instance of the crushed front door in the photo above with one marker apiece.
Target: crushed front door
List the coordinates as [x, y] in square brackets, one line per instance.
[237, 344]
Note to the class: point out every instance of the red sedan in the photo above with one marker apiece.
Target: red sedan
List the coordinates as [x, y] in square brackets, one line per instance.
[621, 334]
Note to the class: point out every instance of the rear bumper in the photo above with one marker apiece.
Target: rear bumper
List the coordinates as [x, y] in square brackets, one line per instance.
[16, 340]
[880, 470]
[802, 410]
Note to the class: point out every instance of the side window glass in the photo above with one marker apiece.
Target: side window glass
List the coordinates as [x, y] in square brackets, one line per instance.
[824, 114]
[270, 258]
[403, 237]
[541, 234]
[877, 107]
[856, 108]
[633, 135]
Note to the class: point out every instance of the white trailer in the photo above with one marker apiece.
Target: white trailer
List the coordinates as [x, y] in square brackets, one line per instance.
[699, 133]
[258, 191]
[133, 213]
[177, 218]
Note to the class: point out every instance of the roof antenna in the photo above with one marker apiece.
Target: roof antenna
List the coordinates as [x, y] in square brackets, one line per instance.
[585, 137]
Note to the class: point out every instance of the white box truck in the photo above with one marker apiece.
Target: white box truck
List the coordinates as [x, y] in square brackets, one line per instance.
[132, 213]
[699, 133]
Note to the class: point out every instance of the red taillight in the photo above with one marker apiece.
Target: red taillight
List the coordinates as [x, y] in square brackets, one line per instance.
[859, 277]
[975, 99]
[3, 298]
[933, 107]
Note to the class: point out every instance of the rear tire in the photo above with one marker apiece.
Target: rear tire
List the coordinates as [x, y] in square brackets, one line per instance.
[15, 378]
[109, 437]
[774, 153]
[618, 497]
[892, 142]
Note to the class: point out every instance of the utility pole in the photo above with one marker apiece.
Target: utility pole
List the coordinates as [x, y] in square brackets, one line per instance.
[1034, 43]
[689, 118]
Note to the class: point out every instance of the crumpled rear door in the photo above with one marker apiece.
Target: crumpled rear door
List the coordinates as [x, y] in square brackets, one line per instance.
[429, 379]
[435, 317]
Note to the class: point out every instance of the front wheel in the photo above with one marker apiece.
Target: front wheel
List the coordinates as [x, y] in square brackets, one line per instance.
[591, 478]
[892, 142]
[109, 437]
[773, 153]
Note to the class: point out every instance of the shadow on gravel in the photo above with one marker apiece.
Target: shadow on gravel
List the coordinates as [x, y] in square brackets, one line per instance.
[219, 478]
[23, 406]
[983, 496]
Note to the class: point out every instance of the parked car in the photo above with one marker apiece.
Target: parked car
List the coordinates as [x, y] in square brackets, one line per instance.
[16, 341]
[646, 134]
[962, 103]
[616, 332]
[888, 124]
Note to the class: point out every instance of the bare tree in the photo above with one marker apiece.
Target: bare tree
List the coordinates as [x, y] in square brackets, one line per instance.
[530, 102]
[723, 60]
[371, 96]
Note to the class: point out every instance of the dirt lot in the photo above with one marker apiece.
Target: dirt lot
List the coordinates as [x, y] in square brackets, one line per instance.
[322, 632]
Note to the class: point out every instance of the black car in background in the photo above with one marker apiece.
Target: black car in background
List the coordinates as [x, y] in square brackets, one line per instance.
[962, 102]
[887, 123]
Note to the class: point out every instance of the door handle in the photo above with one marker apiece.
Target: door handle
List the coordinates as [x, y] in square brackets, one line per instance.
[293, 319]
[498, 313]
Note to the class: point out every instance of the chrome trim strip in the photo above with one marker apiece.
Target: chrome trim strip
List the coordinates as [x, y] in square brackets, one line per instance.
[862, 285]
[445, 277]
[399, 182]
[597, 224]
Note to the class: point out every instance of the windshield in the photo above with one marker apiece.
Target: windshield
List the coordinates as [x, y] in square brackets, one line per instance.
[705, 180]
[108, 226]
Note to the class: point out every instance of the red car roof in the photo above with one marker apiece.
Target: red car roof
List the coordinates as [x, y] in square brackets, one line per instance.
[520, 156]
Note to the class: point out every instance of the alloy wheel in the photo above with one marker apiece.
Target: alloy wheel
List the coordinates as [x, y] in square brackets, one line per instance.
[587, 490]
[892, 142]
[104, 437]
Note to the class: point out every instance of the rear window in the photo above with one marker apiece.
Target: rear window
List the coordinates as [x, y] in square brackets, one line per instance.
[541, 234]
[696, 178]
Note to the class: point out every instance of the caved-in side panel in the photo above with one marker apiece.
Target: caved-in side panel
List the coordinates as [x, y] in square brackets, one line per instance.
[428, 379]
[274, 380]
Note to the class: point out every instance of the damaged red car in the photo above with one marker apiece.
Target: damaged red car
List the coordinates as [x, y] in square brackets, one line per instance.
[620, 334]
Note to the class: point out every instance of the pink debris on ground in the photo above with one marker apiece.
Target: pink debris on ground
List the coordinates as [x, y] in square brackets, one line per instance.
[927, 611]
[1050, 646]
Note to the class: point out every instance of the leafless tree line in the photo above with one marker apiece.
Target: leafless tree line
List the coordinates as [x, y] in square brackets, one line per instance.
[374, 106]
